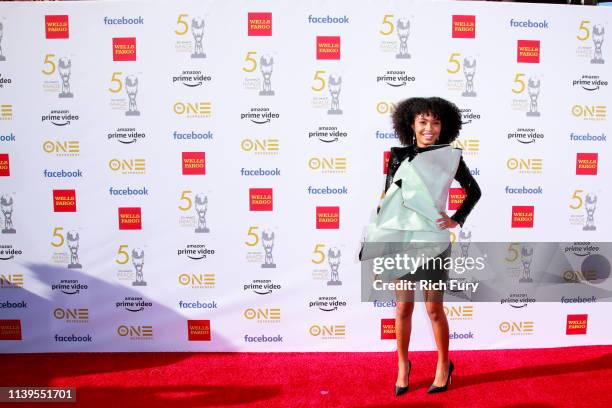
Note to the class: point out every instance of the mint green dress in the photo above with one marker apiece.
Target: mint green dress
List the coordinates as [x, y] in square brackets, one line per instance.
[408, 213]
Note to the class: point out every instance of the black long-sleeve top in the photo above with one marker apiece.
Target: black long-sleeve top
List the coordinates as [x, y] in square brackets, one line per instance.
[463, 176]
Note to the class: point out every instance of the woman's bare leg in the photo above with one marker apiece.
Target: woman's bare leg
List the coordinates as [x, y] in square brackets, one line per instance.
[439, 324]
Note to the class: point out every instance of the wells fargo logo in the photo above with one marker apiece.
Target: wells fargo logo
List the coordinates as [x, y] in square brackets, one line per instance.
[327, 331]
[259, 24]
[386, 156]
[260, 199]
[6, 112]
[64, 201]
[10, 281]
[576, 324]
[56, 27]
[136, 332]
[65, 148]
[465, 312]
[586, 163]
[528, 51]
[71, 315]
[130, 218]
[464, 26]
[5, 168]
[192, 109]
[124, 49]
[198, 330]
[10, 329]
[387, 329]
[263, 315]
[522, 216]
[456, 195]
[194, 163]
[517, 328]
[328, 218]
[328, 48]
[260, 146]
[590, 112]
[197, 280]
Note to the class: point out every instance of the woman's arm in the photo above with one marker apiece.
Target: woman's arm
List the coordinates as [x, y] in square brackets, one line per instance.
[469, 184]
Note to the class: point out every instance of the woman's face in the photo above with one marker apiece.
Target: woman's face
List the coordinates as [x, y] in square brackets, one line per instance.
[426, 129]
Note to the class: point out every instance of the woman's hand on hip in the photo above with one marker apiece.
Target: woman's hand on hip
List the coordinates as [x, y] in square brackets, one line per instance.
[446, 222]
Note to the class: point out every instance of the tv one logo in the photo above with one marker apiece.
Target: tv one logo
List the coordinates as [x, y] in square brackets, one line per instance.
[6, 112]
[328, 164]
[265, 315]
[470, 145]
[128, 166]
[590, 112]
[260, 146]
[192, 109]
[11, 280]
[327, 331]
[459, 312]
[197, 280]
[524, 165]
[517, 328]
[71, 315]
[136, 332]
[66, 148]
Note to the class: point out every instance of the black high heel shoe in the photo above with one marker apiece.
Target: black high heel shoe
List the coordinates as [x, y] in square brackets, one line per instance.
[433, 389]
[402, 390]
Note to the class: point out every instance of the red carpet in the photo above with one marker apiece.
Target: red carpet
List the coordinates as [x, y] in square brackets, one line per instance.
[573, 376]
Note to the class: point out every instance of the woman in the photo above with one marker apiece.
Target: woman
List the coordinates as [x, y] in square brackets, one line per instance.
[416, 189]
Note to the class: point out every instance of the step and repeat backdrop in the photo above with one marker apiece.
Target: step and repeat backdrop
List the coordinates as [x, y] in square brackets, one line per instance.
[197, 175]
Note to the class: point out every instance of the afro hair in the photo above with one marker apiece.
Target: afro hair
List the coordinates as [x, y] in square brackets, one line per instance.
[447, 112]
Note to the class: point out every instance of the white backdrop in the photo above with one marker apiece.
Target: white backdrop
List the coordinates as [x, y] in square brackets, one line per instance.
[198, 101]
